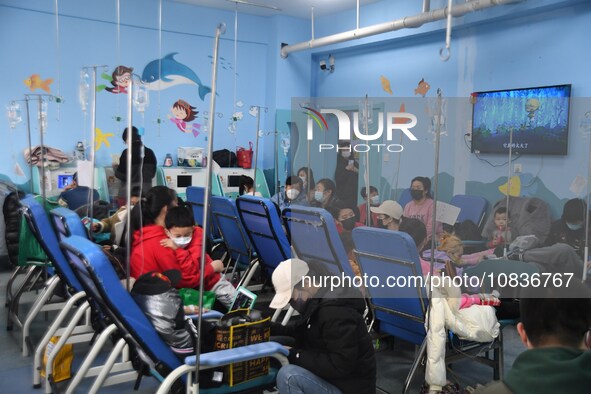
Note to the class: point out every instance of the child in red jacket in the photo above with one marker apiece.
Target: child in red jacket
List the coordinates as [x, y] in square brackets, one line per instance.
[178, 246]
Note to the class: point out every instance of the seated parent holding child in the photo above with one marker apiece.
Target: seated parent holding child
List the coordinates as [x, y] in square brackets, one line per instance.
[169, 240]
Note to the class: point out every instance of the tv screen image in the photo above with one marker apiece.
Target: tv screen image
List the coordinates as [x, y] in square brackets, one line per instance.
[64, 180]
[538, 118]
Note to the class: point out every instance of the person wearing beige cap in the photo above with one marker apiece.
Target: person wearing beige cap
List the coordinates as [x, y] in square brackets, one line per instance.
[332, 351]
[389, 214]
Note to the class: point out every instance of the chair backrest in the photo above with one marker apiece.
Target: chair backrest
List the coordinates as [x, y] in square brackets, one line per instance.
[404, 198]
[314, 236]
[67, 223]
[225, 215]
[392, 256]
[101, 283]
[41, 228]
[262, 223]
[196, 198]
[472, 208]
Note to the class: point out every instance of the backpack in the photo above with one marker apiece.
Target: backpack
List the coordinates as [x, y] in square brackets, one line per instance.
[12, 219]
[225, 158]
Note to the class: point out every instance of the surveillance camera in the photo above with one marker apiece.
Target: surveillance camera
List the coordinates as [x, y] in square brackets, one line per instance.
[323, 65]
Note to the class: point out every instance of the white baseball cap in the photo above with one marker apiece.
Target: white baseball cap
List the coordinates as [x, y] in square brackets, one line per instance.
[287, 274]
[390, 208]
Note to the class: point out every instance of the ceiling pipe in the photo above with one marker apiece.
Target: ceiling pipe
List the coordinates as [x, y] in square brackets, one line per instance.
[398, 24]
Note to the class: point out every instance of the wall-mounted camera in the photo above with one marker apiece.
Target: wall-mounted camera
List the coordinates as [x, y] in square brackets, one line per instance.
[327, 67]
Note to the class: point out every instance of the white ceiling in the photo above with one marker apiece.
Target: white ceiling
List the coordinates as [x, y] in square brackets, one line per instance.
[295, 8]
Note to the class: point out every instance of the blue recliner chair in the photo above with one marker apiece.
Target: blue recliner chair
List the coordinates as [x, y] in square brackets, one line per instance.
[262, 223]
[196, 199]
[102, 284]
[238, 246]
[41, 228]
[401, 311]
[471, 208]
[314, 236]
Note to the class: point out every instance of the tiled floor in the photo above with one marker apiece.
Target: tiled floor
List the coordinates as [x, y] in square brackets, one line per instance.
[394, 360]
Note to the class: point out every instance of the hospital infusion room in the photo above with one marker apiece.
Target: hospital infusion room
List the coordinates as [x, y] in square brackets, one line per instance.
[295, 196]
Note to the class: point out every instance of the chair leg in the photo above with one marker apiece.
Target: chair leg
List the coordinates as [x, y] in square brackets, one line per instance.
[246, 278]
[59, 345]
[90, 357]
[499, 357]
[40, 302]
[108, 366]
[50, 332]
[32, 276]
[17, 271]
[415, 366]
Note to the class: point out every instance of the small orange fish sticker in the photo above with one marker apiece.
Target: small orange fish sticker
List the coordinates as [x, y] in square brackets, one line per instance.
[386, 84]
[35, 82]
[422, 88]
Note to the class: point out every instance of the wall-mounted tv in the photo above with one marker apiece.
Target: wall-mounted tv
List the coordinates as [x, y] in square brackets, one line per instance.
[538, 118]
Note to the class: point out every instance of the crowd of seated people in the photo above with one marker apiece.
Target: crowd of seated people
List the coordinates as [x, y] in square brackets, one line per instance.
[166, 241]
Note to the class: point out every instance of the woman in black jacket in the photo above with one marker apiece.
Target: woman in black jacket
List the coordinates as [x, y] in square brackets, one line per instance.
[332, 351]
[143, 165]
[346, 175]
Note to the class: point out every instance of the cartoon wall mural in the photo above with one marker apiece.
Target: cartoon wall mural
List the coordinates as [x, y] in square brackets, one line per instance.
[101, 138]
[385, 84]
[514, 190]
[422, 88]
[119, 79]
[35, 82]
[182, 114]
[164, 73]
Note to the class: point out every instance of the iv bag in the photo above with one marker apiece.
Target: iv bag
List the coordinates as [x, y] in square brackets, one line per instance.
[141, 98]
[13, 113]
[84, 90]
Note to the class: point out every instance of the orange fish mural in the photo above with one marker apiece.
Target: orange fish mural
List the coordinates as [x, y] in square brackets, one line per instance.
[422, 88]
[35, 82]
[386, 84]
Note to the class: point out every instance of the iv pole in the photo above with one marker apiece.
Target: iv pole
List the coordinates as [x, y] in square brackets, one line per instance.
[586, 250]
[256, 150]
[367, 192]
[221, 29]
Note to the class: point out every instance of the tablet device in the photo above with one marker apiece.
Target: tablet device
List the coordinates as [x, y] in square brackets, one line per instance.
[244, 299]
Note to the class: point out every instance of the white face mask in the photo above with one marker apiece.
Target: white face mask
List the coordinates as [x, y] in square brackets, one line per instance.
[319, 196]
[292, 194]
[182, 242]
[303, 178]
[375, 200]
[346, 154]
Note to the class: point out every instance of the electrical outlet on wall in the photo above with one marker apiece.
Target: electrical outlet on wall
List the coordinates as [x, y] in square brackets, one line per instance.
[517, 168]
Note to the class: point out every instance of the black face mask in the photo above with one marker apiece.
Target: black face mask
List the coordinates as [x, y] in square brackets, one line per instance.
[348, 224]
[416, 194]
[299, 305]
[381, 224]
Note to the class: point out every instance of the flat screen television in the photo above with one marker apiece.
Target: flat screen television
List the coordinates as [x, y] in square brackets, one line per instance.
[538, 118]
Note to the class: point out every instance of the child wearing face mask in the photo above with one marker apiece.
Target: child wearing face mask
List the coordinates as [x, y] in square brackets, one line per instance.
[374, 201]
[178, 246]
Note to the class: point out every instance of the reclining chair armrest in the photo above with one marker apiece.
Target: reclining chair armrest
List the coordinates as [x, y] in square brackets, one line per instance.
[243, 353]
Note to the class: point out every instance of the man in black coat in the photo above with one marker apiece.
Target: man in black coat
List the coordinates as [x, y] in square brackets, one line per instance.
[333, 352]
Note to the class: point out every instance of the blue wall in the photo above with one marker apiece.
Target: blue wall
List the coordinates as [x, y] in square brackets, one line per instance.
[532, 43]
[88, 36]
[524, 45]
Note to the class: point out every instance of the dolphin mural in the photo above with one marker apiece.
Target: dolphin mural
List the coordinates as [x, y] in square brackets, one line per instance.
[165, 73]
